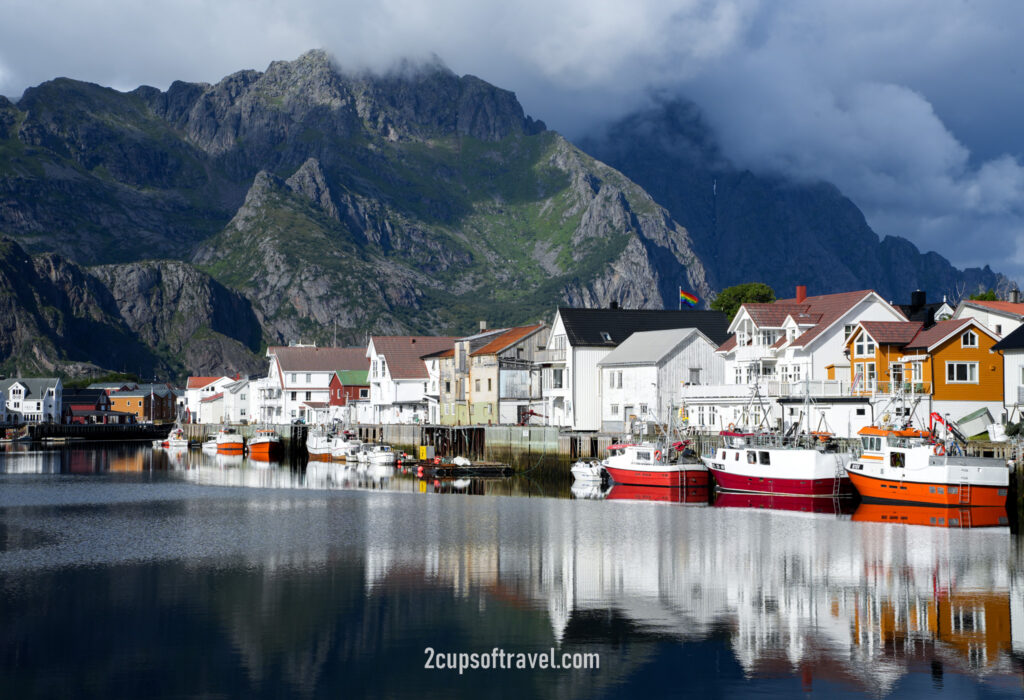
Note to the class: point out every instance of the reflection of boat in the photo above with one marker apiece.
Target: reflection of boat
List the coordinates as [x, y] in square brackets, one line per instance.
[901, 465]
[933, 516]
[592, 490]
[649, 464]
[697, 495]
[774, 501]
[229, 459]
[761, 464]
[229, 441]
[587, 471]
[265, 445]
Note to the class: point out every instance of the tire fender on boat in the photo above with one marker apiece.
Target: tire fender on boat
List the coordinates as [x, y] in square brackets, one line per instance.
[940, 449]
[732, 426]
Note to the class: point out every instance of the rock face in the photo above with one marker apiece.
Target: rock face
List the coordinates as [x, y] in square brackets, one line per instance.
[747, 228]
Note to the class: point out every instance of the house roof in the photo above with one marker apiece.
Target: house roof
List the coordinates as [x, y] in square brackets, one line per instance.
[215, 397]
[35, 387]
[649, 347]
[200, 382]
[404, 353]
[111, 385]
[353, 377]
[1004, 307]
[82, 396]
[507, 339]
[585, 327]
[313, 359]
[892, 332]
[938, 333]
[826, 309]
[1013, 341]
[773, 315]
[728, 345]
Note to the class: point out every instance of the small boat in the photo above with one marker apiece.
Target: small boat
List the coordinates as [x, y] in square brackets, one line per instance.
[652, 464]
[754, 463]
[908, 466]
[210, 444]
[13, 435]
[176, 439]
[229, 441]
[265, 444]
[591, 471]
[345, 449]
[376, 454]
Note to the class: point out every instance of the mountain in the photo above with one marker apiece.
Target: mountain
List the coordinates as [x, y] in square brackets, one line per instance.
[748, 227]
[336, 203]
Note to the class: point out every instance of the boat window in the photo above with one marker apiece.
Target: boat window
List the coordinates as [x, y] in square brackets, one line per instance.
[643, 456]
[737, 458]
[765, 458]
[751, 457]
[897, 459]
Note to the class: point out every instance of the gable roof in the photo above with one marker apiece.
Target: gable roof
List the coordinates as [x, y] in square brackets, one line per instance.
[215, 397]
[649, 347]
[354, 377]
[35, 387]
[829, 308]
[404, 353]
[892, 332]
[940, 332]
[1007, 308]
[507, 339]
[200, 382]
[584, 327]
[82, 396]
[112, 385]
[1013, 341]
[309, 358]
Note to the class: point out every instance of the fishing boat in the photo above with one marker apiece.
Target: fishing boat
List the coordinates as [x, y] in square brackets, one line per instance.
[318, 445]
[345, 449]
[12, 435]
[210, 444]
[766, 463]
[653, 464]
[175, 440]
[265, 444]
[229, 441]
[376, 454]
[910, 466]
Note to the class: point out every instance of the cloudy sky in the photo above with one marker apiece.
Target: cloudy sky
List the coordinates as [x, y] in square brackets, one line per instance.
[911, 107]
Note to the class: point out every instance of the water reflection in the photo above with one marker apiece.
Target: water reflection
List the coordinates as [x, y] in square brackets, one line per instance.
[332, 580]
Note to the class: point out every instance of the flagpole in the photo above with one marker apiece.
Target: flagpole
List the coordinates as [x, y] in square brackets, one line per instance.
[680, 298]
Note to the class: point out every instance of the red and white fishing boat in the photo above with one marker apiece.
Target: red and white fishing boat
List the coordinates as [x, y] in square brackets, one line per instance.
[767, 464]
[652, 464]
[907, 465]
[230, 442]
[265, 444]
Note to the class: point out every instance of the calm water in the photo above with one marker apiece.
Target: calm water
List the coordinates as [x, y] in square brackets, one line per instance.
[127, 573]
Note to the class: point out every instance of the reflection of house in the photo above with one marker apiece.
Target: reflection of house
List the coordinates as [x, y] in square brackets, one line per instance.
[950, 366]
[581, 338]
[31, 400]
[400, 379]
[91, 406]
[640, 379]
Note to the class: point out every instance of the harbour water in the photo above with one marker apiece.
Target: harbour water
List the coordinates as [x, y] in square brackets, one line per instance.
[128, 572]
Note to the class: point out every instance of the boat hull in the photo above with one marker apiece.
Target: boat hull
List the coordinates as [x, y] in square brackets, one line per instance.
[685, 476]
[932, 516]
[880, 489]
[728, 481]
[630, 492]
[264, 448]
[783, 502]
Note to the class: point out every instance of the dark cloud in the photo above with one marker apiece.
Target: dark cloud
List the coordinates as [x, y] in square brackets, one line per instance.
[909, 106]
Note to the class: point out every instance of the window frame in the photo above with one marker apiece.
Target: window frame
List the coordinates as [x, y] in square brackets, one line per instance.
[969, 334]
[951, 369]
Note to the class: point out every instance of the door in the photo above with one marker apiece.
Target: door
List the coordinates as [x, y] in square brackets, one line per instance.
[896, 373]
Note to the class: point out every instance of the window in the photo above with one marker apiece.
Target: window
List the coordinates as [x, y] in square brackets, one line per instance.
[864, 346]
[795, 370]
[848, 330]
[695, 375]
[309, 395]
[294, 394]
[309, 378]
[618, 379]
[712, 415]
[291, 378]
[615, 409]
[999, 329]
[962, 372]
[243, 412]
[383, 366]
[364, 393]
[556, 378]
[447, 387]
[700, 413]
[488, 384]
[643, 410]
[243, 397]
[606, 337]
[916, 371]
[765, 458]
[739, 374]
[611, 380]
[869, 375]
[476, 385]
[861, 411]
[969, 340]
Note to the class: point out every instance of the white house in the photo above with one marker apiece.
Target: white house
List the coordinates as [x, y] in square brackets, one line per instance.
[581, 338]
[1012, 349]
[32, 400]
[785, 349]
[298, 382]
[640, 379]
[1003, 317]
[211, 409]
[402, 386]
[199, 388]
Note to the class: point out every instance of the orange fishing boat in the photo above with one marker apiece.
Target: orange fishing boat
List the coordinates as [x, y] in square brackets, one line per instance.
[932, 516]
[230, 441]
[265, 444]
[908, 466]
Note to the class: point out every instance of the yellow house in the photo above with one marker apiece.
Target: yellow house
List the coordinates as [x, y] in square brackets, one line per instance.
[950, 363]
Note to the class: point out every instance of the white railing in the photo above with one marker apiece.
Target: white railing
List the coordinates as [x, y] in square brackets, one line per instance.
[551, 355]
[817, 389]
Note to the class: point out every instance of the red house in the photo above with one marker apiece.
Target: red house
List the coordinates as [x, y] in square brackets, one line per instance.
[349, 385]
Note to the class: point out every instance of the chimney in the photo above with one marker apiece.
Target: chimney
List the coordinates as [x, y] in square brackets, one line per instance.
[918, 299]
[483, 326]
[1014, 296]
[801, 293]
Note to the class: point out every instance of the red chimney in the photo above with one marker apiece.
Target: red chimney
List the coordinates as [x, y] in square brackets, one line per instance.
[801, 293]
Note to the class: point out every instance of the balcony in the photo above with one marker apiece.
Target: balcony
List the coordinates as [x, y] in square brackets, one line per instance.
[819, 389]
[551, 355]
[909, 389]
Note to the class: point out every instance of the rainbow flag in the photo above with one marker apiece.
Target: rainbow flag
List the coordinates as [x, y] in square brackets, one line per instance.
[688, 299]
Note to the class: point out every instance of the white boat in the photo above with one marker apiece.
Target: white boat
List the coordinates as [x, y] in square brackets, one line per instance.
[318, 445]
[589, 490]
[756, 463]
[176, 439]
[376, 454]
[210, 444]
[591, 471]
[230, 441]
[345, 449]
